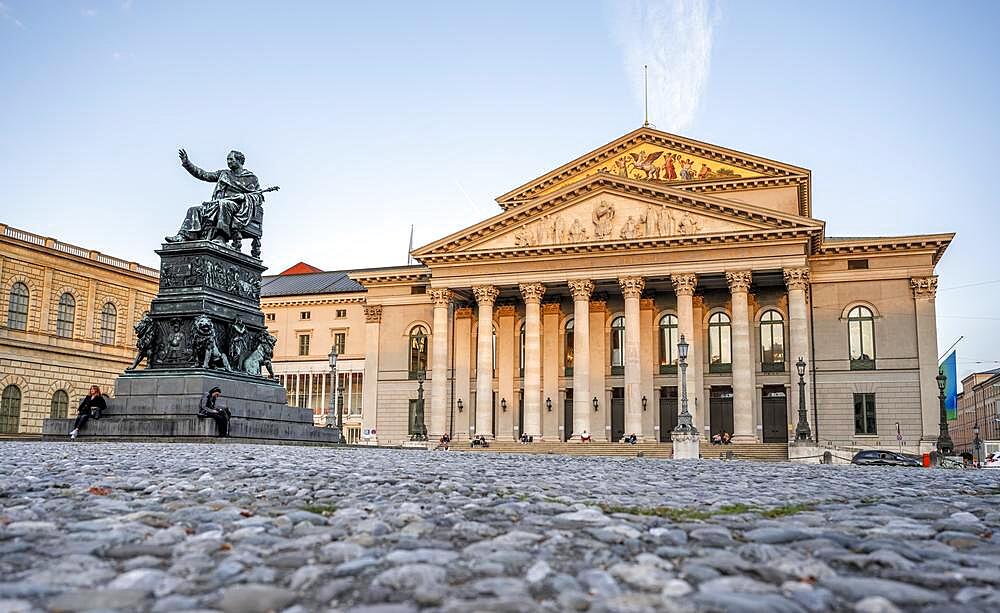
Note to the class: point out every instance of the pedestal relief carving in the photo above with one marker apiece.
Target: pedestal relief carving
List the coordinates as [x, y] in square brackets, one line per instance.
[373, 313]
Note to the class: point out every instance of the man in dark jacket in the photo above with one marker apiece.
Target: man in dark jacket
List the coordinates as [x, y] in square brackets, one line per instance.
[91, 406]
[220, 415]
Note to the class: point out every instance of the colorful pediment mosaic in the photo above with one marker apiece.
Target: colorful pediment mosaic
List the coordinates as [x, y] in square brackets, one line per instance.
[646, 162]
[610, 218]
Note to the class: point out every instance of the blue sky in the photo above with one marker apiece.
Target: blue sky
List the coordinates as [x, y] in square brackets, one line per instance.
[424, 112]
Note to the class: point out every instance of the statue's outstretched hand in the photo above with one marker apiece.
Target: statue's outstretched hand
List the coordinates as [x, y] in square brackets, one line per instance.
[184, 156]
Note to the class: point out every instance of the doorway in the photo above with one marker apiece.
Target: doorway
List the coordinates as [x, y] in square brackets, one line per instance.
[617, 413]
[568, 416]
[668, 412]
[720, 407]
[774, 413]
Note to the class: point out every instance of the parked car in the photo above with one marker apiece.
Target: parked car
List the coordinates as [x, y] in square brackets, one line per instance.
[879, 457]
[992, 460]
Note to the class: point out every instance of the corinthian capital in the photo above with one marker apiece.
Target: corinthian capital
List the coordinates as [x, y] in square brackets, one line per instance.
[739, 281]
[632, 286]
[441, 297]
[924, 288]
[581, 288]
[532, 292]
[684, 283]
[373, 313]
[485, 295]
[797, 278]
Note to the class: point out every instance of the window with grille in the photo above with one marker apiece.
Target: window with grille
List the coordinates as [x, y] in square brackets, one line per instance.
[861, 338]
[340, 342]
[864, 414]
[772, 342]
[720, 343]
[668, 344]
[17, 307]
[109, 322]
[303, 344]
[60, 405]
[341, 313]
[65, 314]
[10, 409]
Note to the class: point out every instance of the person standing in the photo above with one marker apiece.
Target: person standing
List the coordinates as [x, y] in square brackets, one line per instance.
[221, 415]
[90, 407]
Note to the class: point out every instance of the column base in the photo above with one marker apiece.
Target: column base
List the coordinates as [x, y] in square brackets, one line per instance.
[687, 446]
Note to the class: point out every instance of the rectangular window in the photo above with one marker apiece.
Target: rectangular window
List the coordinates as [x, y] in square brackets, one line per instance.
[305, 315]
[341, 313]
[418, 289]
[340, 342]
[303, 344]
[857, 264]
[269, 316]
[864, 414]
[357, 387]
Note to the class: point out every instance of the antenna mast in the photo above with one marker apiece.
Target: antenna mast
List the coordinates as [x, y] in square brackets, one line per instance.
[645, 87]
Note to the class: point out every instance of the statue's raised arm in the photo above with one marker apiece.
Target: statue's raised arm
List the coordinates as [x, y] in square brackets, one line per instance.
[195, 171]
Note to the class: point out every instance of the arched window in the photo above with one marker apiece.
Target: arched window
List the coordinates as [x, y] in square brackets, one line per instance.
[568, 349]
[618, 345]
[521, 354]
[418, 352]
[10, 409]
[109, 322]
[65, 314]
[60, 405]
[17, 309]
[720, 343]
[668, 344]
[772, 342]
[861, 338]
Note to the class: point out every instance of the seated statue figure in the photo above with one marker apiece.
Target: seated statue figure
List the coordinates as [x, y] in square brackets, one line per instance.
[221, 219]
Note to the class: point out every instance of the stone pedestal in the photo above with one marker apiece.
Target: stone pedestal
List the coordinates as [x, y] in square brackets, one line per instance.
[204, 329]
[686, 446]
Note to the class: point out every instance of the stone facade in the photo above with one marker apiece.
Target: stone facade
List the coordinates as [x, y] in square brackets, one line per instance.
[46, 356]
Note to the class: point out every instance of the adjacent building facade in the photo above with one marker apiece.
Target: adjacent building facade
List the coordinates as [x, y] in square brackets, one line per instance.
[66, 317]
[562, 313]
[978, 406]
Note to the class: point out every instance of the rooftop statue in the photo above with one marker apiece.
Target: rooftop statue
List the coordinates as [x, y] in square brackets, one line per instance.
[235, 210]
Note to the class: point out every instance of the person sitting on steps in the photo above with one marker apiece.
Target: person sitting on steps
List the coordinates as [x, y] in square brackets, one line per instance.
[443, 442]
[90, 407]
[220, 415]
[585, 437]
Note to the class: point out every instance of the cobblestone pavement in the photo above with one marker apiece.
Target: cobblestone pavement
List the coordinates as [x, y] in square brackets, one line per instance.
[264, 528]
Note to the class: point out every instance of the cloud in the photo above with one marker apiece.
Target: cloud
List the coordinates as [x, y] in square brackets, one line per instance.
[6, 16]
[88, 12]
[674, 38]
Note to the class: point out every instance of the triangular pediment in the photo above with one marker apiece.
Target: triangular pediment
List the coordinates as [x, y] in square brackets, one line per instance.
[659, 158]
[604, 210]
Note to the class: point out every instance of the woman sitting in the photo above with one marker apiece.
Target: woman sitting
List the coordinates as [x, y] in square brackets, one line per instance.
[91, 406]
[727, 438]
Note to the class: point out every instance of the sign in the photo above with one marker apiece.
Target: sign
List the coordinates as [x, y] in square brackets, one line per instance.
[950, 369]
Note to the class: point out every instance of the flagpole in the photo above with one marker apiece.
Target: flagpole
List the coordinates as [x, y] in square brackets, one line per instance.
[409, 258]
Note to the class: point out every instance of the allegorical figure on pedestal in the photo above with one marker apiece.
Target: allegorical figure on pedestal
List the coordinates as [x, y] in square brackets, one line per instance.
[236, 198]
[145, 340]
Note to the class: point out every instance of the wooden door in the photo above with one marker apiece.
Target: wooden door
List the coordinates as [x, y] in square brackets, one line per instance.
[721, 409]
[668, 411]
[774, 413]
[617, 413]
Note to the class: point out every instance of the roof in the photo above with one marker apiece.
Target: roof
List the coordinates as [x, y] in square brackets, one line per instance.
[300, 268]
[332, 282]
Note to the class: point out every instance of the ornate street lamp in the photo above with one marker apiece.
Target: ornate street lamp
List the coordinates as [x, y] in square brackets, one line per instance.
[340, 412]
[684, 422]
[333, 379]
[548, 405]
[944, 444]
[596, 404]
[977, 445]
[802, 432]
[643, 403]
[460, 405]
[420, 430]
[503, 404]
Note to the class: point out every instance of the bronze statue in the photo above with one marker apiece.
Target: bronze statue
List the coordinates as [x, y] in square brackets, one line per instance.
[145, 337]
[236, 203]
[261, 356]
[206, 348]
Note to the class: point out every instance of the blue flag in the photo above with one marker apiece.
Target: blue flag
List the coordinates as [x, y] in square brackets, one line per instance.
[950, 370]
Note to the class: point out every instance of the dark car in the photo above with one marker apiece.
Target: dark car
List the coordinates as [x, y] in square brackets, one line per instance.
[878, 457]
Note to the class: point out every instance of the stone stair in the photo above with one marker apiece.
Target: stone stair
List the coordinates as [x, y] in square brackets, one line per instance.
[767, 452]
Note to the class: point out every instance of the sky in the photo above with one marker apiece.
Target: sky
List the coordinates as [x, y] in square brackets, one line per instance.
[375, 116]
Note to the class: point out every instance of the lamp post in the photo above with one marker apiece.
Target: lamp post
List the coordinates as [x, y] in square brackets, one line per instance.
[340, 412]
[802, 432]
[944, 443]
[333, 380]
[503, 404]
[977, 446]
[460, 405]
[684, 422]
[420, 431]
[644, 403]
[596, 404]
[548, 405]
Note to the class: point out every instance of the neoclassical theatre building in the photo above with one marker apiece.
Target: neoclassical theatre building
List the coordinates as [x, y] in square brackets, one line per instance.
[562, 313]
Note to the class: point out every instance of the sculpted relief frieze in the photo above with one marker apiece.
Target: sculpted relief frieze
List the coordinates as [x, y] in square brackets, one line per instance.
[609, 219]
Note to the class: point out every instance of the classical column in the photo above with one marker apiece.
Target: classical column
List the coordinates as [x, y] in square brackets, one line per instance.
[797, 280]
[462, 346]
[632, 290]
[924, 292]
[647, 353]
[684, 286]
[532, 294]
[441, 298]
[551, 370]
[485, 295]
[507, 350]
[581, 289]
[739, 287]
[600, 420]
[369, 387]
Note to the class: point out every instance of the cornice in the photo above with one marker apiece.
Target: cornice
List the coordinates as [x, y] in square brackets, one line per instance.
[398, 276]
[936, 243]
[285, 302]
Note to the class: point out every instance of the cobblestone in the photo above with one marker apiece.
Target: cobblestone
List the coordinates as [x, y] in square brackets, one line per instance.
[248, 528]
